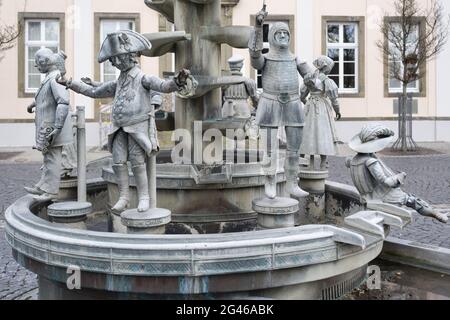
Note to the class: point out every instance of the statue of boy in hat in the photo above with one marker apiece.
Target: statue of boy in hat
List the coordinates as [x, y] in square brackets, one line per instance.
[132, 137]
[53, 124]
[375, 180]
[279, 104]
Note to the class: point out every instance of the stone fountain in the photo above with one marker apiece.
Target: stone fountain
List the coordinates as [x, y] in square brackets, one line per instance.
[213, 247]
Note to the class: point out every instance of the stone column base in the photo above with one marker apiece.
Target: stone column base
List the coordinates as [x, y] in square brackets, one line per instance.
[72, 214]
[153, 221]
[276, 213]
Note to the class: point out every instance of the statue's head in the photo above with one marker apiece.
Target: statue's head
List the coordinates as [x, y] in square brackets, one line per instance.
[122, 48]
[61, 62]
[236, 63]
[45, 60]
[324, 64]
[372, 138]
[125, 61]
[280, 36]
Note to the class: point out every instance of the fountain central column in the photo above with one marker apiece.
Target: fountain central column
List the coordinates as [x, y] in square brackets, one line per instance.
[199, 55]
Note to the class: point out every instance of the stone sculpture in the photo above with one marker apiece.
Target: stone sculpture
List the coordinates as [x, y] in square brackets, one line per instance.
[236, 96]
[374, 180]
[320, 137]
[279, 104]
[131, 138]
[53, 125]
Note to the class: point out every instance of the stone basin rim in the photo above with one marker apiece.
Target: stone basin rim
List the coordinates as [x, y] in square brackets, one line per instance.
[26, 221]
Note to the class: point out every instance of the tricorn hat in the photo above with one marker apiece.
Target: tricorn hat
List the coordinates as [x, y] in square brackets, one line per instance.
[372, 138]
[121, 42]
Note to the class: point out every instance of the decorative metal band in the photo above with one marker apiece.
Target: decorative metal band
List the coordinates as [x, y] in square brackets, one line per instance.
[314, 175]
[69, 210]
[146, 223]
[271, 210]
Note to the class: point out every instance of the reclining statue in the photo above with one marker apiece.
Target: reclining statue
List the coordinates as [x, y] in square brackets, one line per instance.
[374, 180]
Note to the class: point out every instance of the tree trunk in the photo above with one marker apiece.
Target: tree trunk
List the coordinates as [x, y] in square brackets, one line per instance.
[403, 117]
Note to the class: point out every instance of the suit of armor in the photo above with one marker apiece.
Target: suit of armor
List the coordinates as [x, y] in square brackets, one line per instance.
[279, 104]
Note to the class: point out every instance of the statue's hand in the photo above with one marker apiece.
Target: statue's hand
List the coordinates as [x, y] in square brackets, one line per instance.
[52, 135]
[261, 17]
[181, 77]
[30, 108]
[338, 116]
[401, 177]
[87, 80]
[64, 82]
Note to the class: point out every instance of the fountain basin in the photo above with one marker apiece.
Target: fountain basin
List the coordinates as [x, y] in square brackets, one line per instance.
[306, 262]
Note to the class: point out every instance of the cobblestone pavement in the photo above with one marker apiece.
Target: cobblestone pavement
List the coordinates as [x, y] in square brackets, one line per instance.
[428, 176]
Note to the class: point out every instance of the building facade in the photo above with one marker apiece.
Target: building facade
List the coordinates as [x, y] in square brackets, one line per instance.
[345, 30]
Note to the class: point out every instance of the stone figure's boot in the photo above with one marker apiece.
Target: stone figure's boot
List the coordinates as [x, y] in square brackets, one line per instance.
[270, 184]
[426, 210]
[140, 175]
[121, 173]
[291, 170]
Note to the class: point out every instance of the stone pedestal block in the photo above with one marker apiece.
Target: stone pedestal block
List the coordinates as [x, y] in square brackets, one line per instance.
[153, 221]
[276, 213]
[314, 183]
[72, 214]
[67, 190]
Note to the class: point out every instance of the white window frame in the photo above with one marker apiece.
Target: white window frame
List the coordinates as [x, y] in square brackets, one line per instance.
[341, 46]
[117, 21]
[38, 43]
[410, 89]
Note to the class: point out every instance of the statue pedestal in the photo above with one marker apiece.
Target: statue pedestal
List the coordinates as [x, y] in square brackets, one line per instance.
[314, 183]
[67, 189]
[153, 221]
[276, 213]
[72, 214]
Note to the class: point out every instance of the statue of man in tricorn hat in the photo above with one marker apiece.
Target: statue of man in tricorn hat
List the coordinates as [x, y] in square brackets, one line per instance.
[131, 138]
[375, 180]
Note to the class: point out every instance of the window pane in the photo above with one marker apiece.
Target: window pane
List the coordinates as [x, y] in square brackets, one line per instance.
[349, 33]
[349, 68]
[333, 33]
[126, 25]
[333, 54]
[54, 49]
[266, 32]
[34, 81]
[51, 30]
[34, 31]
[349, 82]
[394, 84]
[107, 28]
[412, 85]
[335, 79]
[349, 54]
[336, 69]
[32, 52]
[32, 67]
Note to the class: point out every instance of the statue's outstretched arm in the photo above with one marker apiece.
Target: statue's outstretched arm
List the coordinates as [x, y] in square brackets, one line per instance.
[159, 85]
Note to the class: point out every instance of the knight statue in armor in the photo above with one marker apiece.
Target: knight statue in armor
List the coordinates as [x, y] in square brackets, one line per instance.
[320, 137]
[374, 180]
[53, 125]
[133, 136]
[236, 96]
[279, 104]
